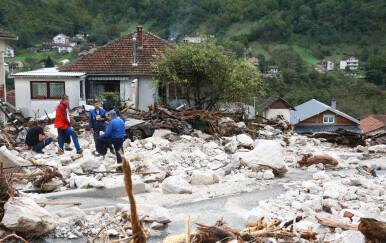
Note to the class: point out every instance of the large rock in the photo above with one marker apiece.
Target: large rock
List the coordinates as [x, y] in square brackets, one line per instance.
[351, 236]
[204, 178]
[378, 148]
[89, 163]
[266, 153]
[256, 213]
[86, 182]
[24, 215]
[154, 212]
[244, 139]
[175, 185]
[231, 147]
[11, 160]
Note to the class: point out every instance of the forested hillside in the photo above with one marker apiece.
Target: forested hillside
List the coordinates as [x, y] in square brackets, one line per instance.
[293, 34]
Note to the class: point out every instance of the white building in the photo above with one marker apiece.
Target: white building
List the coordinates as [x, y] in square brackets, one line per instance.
[40, 89]
[64, 48]
[273, 69]
[349, 61]
[275, 108]
[193, 38]
[326, 65]
[9, 52]
[6, 67]
[61, 39]
[78, 37]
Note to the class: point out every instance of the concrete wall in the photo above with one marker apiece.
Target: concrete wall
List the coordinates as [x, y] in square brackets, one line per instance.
[273, 113]
[147, 93]
[28, 105]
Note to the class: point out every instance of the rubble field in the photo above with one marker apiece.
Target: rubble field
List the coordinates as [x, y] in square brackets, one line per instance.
[82, 197]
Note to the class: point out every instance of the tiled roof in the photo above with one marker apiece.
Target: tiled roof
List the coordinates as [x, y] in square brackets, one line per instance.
[327, 128]
[5, 35]
[48, 72]
[327, 59]
[271, 100]
[117, 56]
[371, 123]
[60, 45]
[65, 36]
[253, 60]
[273, 66]
[381, 118]
[312, 108]
[347, 57]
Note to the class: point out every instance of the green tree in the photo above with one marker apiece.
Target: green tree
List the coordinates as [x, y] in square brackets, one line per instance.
[48, 62]
[208, 74]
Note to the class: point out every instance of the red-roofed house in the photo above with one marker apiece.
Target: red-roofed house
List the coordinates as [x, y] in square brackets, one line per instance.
[61, 38]
[254, 61]
[375, 127]
[327, 64]
[351, 62]
[123, 65]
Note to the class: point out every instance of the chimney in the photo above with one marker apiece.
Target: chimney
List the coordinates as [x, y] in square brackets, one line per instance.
[333, 104]
[135, 52]
[139, 37]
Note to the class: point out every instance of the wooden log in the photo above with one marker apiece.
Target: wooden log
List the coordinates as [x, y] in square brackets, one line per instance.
[5, 239]
[308, 160]
[336, 223]
[373, 229]
[288, 223]
[135, 222]
[126, 108]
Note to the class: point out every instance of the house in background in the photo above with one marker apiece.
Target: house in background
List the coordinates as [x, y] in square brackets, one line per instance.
[254, 61]
[275, 108]
[3, 37]
[314, 116]
[61, 39]
[123, 66]
[9, 51]
[327, 64]
[64, 48]
[193, 38]
[15, 64]
[374, 126]
[78, 38]
[349, 61]
[42, 62]
[40, 89]
[273, 69]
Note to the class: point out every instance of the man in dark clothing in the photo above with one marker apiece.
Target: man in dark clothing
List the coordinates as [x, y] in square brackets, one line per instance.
[119, 114]
[97, 120]
[113, 136]
[36, 139]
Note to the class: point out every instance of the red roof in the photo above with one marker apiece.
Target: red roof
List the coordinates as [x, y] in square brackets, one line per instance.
[371, 123]
[253, 60]
[381, 118]
[5, 35]
[347, 57]
[65, 36]
[117, 56]
[60, 45]
[88, 44]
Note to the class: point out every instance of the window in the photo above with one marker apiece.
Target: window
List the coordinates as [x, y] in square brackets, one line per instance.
[328, 118]
[175, 91]
[47, 90]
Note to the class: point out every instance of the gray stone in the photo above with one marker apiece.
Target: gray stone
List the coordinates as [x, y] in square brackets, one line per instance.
[154, 212]
[11, 160]
[268, 175]
[256, 213]
[24, 215]
[158, 226]
[244, 139]
[231, 147]
[204, 178]
[351, 236]
[176, 185]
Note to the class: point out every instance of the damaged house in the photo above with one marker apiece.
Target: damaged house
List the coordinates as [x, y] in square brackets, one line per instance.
[314, 116]
[275, 108]
[123, 66]
[374, 126]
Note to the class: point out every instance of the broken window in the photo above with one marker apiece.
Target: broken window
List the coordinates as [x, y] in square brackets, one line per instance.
[328, 119]
[47, 90]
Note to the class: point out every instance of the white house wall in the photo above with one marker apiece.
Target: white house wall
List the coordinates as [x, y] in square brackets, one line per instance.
[147, 92]
[27, 105]
[273, 113]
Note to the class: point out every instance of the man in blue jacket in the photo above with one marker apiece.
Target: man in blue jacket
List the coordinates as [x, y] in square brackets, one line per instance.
[113, 136]
[97, 120]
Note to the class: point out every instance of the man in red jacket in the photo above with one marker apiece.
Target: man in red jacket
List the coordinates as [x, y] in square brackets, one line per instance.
[64, 125]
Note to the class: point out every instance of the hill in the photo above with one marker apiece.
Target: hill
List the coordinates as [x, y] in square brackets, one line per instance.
[293, 34]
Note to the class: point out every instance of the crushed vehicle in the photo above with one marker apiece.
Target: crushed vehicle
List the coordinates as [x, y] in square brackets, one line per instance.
[136, 129]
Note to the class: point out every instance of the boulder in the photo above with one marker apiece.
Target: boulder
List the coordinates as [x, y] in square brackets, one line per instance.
[268, 174]
[24, 215]
[321, 175]
[267, 153]
[155, 213]
[378, 148]
[231, 147]
[11, 160]
[176, 185]
[361, 148]
[256, 213]
[86, 182]
[351, 236]
[244, 139]
[204, 178]
[89, 163]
